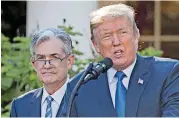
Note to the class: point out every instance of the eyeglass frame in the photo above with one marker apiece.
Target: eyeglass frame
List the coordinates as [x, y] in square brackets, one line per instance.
[49, 61]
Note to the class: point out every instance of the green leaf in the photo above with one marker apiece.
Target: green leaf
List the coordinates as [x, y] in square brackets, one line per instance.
[6, 82]
[77, 52]
[14, 73]
[7, 109]
[10, 94]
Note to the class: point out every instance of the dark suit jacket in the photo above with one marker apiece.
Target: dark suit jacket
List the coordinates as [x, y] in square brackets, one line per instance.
[29, 105]
[157, 96]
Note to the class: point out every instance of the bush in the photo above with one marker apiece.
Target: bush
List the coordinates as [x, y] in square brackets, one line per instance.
[150, 51]
[17, 73]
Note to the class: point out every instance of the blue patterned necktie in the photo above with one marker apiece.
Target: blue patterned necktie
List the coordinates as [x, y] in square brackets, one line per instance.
[120, 98]
[48, 113]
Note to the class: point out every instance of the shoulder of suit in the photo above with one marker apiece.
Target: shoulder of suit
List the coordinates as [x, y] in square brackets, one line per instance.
[27, 95]
[160, 62]
[155, 59]
[165, 60]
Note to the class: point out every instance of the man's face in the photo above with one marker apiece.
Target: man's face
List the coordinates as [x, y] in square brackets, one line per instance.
[53, 72]
[116, 39]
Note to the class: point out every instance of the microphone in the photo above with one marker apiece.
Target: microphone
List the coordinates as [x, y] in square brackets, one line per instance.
[100, 67]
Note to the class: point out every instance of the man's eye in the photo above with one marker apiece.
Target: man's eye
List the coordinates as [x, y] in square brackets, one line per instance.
[55, 57]
[107, 36]
[123, 32]
[40, 57]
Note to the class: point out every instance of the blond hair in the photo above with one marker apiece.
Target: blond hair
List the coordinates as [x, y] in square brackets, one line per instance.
[116, 10]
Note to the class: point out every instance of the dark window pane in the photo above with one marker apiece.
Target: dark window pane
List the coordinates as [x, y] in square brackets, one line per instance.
[144, 16]
[170, 49]
[170, 17]
[13, 14]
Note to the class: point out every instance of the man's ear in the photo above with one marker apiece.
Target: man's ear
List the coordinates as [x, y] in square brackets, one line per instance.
[33, 63]
[136, 41]
[95, 45]
[70, 62]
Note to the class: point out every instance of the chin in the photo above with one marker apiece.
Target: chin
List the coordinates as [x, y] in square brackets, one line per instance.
[120, 61]
[47, 80]
[120, 64]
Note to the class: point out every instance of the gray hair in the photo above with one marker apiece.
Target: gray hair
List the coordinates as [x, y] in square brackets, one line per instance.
[116, 10]
[45, 34]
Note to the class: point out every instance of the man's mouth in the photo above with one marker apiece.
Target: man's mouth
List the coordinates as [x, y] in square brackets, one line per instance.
[118, 53]
[48, 73]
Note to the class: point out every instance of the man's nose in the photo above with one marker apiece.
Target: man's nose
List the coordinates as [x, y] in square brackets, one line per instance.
[47, 64]
[116, 40]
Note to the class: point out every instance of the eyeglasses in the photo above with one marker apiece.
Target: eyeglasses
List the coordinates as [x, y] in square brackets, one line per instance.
[52, 61]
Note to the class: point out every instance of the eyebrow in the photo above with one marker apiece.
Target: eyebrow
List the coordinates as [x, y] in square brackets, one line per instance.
[108, 31]
[48, 54]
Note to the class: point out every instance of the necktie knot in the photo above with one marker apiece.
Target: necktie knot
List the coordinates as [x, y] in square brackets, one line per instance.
[120, 75]
[49, 99]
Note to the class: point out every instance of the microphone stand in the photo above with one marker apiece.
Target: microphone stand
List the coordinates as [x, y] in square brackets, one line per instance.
[78, 85]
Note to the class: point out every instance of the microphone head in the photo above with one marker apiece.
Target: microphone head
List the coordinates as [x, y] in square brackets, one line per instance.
[107, 63]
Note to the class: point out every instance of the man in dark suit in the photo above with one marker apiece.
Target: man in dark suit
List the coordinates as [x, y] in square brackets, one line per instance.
[135, 86]
[51, 51]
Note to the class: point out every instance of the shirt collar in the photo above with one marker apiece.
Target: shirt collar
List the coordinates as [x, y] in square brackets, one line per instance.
[128, 71]
[111, 73]
[58, 94]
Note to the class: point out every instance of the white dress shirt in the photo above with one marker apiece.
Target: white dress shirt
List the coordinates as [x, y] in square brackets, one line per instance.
[57, 98]
[112, 80]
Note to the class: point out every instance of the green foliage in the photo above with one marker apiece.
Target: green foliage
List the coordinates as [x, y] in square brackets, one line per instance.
[70, 31]
[17, 74]
[150, 51]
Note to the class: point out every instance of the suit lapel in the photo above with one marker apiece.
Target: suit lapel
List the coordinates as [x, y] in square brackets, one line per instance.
[138, 81]
[61, 107]
[64, 103]
[35, 104]
[104, 96]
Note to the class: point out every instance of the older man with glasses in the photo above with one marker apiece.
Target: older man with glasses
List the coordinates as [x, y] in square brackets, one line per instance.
[52, 57]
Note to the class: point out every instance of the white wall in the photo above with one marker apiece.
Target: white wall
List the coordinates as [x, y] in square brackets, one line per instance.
[51, 13]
